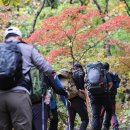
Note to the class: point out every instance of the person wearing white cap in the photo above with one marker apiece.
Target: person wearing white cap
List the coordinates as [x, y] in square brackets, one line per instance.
[16, 60]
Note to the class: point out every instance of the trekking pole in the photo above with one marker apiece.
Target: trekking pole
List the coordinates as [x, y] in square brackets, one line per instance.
[43, 109]
[68, 103]
[44, 89]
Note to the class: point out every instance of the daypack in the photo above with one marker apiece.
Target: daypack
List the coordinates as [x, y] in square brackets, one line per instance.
[67, 80]
[116, 82]
[78, 77]
[96, 79]
[38, 85]
[10, 65]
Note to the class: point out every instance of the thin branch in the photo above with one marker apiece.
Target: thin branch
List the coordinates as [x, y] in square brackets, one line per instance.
[125, 64]
[36, 16]
[127, 6]
[71, 47]
[128, 13]
[86, 51]
[98, 6]
[106, 7]
[72, 53]
[99, 9]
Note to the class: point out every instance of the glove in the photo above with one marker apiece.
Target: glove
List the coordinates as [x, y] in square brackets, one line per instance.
[48, 97]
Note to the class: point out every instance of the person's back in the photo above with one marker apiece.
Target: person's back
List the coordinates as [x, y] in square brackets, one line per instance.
[113, 92]
[16, 112]
[99, 96]
[15, 108]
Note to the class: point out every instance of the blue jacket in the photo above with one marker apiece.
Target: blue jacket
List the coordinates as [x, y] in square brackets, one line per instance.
[53, 102]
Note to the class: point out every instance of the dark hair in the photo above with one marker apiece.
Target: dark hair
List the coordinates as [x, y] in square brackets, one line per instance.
[106, 65]
[78, 65]
[11, 35]
[14, 35]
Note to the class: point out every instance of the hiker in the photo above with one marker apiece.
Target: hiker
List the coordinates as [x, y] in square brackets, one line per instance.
[98, 84]
[113, 93]
[53, 115]
[16, 59]
[50, 109]
[73, 81]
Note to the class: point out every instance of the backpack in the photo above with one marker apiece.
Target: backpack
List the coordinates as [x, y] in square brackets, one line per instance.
[78, 77]
[10, 65]
[38, 85]
[96, 79]
[67, 80]
[116, 82]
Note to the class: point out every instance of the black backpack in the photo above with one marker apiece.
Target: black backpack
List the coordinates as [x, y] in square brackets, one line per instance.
[116, 81]
[78, 77]
[10, 65]
[96, 79]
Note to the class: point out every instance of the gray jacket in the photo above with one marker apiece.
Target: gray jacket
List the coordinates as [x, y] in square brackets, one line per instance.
[31, 57]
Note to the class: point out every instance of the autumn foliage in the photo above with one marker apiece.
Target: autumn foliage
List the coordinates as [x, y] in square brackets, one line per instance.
[52, 55]
[73, 29]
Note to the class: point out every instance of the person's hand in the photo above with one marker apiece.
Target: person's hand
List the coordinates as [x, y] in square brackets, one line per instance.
[47, 99]
[82, 91]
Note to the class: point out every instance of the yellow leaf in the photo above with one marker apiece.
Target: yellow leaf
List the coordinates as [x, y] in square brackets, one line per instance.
[26, 1]
[1, 3]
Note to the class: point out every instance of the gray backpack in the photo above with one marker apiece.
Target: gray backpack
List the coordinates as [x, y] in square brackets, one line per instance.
[10, 65]
[96, 79]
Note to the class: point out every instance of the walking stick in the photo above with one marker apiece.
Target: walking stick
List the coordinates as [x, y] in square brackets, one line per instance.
[68, 104]
[44, 89]
[43, 109]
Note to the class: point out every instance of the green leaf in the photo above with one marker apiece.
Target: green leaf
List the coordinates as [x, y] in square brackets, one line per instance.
[11, 2]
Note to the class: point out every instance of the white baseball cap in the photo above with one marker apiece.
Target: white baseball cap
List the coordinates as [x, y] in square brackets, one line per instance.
[13, 30]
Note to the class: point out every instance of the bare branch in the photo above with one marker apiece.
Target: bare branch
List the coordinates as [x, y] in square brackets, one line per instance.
[99, 9]
[71, 40]
[127, 6]
[36, 16]
[95, 44]
[98, 6]
[106, 7]
[125, 64]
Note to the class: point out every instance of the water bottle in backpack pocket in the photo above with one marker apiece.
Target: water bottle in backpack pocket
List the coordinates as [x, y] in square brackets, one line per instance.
[96, 80]
[10, 65]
